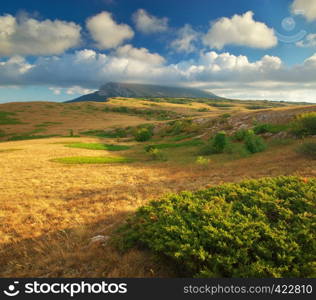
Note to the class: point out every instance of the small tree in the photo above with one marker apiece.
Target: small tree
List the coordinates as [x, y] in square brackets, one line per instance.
[220, 142]
[143, 134]
[254, 143]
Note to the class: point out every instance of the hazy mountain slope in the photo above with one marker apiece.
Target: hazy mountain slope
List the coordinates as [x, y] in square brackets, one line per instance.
[131, 90]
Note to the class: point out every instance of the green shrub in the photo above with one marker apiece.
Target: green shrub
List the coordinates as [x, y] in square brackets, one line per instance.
[240, 135]
[157, 154]
[271, 128]
[202, 161]
[143, 134]
[216, 145]
[220, 141]
[257, 228]
[305, 124]
[308, 149]
[254, 143]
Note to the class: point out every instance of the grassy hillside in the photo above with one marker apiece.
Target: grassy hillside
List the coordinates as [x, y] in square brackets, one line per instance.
[76, 171]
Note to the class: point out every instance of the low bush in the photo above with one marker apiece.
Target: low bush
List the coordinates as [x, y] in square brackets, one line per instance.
[270, 128]
[216, 145]
[143, 134]
[308, 149]
[254, 143]
[305, 124]
[240, 135]
[257, 228]
[157, 154]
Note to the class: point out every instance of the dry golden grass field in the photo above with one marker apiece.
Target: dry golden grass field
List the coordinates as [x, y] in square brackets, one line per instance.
[49, 211]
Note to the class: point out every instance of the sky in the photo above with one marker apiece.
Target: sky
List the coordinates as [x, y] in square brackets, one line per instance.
[246, 49]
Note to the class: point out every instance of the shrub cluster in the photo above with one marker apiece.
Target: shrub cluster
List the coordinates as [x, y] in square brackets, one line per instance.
[143, 134]
[254, 143]
[269, 128]
[257, 228]
[221, 143]
[305, 124]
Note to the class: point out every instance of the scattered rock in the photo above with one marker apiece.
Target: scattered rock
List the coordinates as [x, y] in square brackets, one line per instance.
[99, 240]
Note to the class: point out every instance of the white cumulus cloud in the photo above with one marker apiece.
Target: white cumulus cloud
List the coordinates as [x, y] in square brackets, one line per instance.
[28, 36]
[147, 23]
[186, 37]
[308, 41]
[240, 30]
[106, 32]
[306, 8]
[140, 54]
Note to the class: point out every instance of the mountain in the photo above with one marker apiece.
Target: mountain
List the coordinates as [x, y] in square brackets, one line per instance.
[131, 90]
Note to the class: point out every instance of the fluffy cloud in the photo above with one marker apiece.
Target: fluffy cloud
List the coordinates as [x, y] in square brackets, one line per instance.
[140, 54]
[74, 90]
[147, 23]
[27, 36]
[240, 30]
[309, 41]
[106, 32]
[227, 74]
[187, 36]
[306, 8]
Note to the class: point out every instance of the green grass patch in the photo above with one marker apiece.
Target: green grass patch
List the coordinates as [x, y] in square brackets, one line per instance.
[6, 118]
[257, 228]
[91, 160]
[98, 146]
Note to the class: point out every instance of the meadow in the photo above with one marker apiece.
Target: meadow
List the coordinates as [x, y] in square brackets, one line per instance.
[73, 172]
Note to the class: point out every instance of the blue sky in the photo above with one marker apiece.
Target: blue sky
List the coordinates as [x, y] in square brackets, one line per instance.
[247, 49]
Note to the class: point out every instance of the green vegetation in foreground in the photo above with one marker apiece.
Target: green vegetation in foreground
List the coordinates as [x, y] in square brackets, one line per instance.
[6, 118]
[256, 228]
[91, 160]
[98, 146]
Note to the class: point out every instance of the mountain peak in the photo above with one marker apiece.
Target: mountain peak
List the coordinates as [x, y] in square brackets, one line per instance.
[135, 90]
